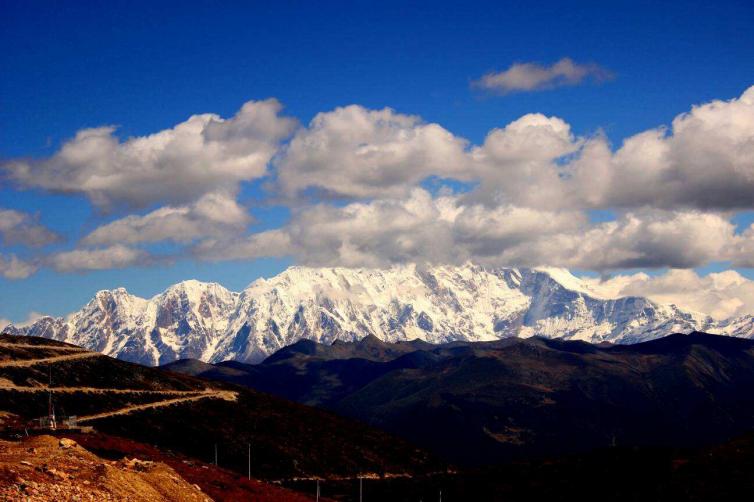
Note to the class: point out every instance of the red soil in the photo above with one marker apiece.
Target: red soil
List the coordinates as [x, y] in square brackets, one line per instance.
[220, 484]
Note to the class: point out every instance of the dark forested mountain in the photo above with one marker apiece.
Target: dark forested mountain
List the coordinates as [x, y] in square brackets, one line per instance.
[488, 402]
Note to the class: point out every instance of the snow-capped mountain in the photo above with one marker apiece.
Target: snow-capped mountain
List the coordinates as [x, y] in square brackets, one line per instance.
[436, 304]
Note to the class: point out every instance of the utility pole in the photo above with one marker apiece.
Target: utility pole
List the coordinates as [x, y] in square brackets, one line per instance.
[50, 407]
[361, 489]
[249, 461]
[215, 454]
[318, 490]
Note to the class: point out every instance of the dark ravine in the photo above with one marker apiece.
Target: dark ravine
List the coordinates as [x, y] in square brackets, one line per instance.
[491, 402]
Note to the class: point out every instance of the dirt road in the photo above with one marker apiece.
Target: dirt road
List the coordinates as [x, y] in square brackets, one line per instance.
[22, 363]
[217, 394]
[46, 347]
[176, 396]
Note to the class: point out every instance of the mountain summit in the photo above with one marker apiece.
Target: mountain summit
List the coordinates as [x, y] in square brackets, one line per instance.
[435, 304]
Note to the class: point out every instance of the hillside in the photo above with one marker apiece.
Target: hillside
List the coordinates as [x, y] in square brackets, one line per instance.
[720, 473]
[191, 416]
[489, 402]
[204, 321]
[46, 469]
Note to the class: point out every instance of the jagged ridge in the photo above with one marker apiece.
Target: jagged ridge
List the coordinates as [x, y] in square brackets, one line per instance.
[436, 304]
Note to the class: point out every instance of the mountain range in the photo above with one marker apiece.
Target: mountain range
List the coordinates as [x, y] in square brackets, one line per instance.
[436, 304]
[484, 403]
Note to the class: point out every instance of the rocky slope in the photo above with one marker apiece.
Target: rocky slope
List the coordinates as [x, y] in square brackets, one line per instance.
[435, 304]
[45, 468]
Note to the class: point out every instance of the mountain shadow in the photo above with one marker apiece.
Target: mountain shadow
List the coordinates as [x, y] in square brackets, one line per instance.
[490, 402]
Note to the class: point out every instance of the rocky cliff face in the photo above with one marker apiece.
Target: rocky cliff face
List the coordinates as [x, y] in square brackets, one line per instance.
[435, 304]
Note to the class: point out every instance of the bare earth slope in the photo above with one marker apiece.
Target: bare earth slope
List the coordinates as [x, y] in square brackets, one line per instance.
[45, 468]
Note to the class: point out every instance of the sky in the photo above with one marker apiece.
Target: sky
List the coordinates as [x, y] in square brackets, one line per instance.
[145, 144]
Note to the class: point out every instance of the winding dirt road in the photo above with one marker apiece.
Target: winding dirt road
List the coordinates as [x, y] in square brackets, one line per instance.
[46, 347]
[22, 363]
[216, 394]
[176, 396]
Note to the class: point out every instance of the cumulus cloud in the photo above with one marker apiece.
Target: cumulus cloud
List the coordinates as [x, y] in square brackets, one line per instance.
[353, 152]
[269, 243]
[12, 267]
[523, 77]
[704, 160]
[213, 215]
[4, 323]
[650, 239]
[116, 256]
[447, 230]
[17, 227]
[518, 164]
[531, 185]
[203, 154]
[721, 295]
[645, 239]
[741, 250]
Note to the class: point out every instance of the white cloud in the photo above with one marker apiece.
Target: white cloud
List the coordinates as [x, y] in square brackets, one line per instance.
[532, 182]
[12, 267]
[353, 152]
[518, 163]
[705, 160]
[203, 154]
[30, 319]
[721, 295]
[213, 215]
[269, 243]
[17, 227]
[648, 239]
[446, 229]
[116, 256]
[741, 250]
[521, 77]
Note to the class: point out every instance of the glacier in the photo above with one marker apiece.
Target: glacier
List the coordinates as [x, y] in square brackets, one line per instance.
[436, 304]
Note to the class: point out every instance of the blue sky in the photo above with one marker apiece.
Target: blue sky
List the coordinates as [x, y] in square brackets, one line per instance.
[146, 68]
